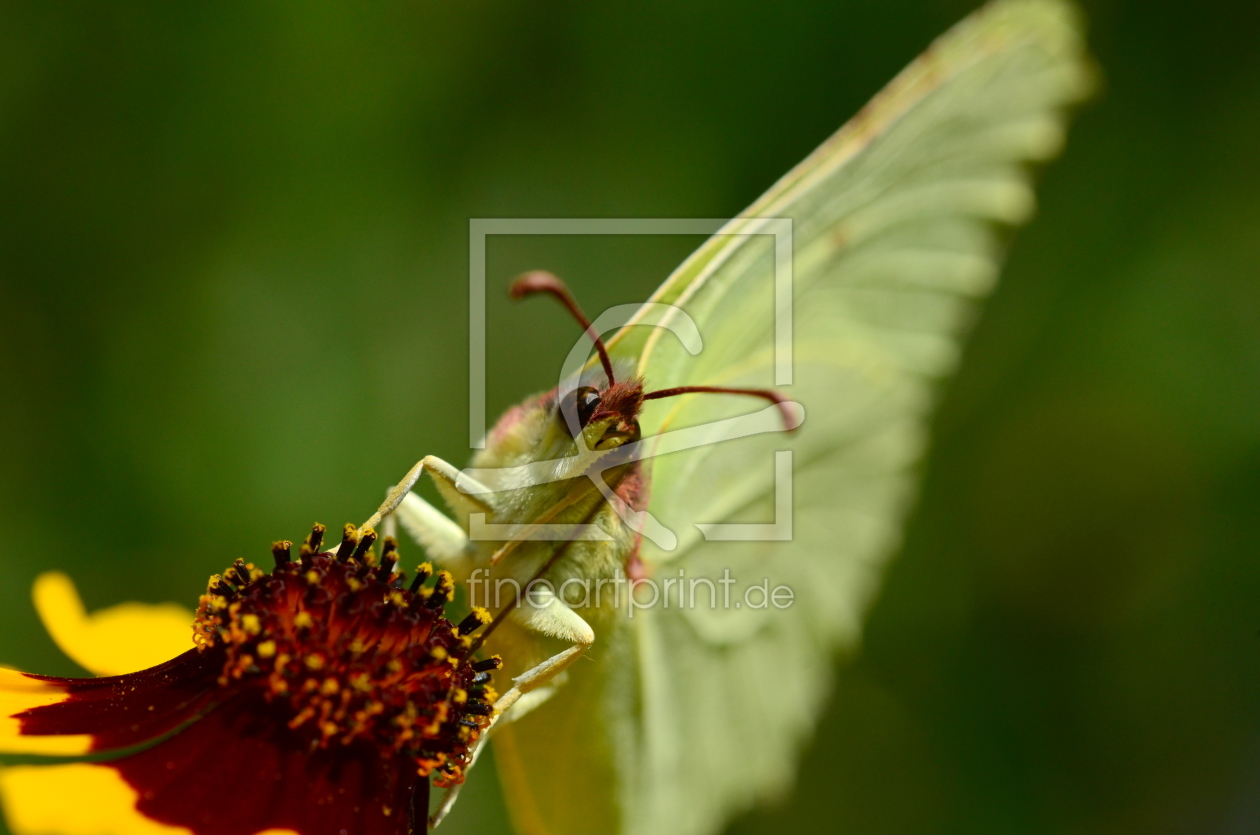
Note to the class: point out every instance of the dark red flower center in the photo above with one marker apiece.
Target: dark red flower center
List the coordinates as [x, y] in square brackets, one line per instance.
[349, 655]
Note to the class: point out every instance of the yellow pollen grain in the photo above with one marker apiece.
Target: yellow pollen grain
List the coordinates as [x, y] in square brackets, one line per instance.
[315, 662]
[297, 721]
[459, 696]
[330, 687]
[303, 620]
[358, 647]
[328, 728]
[312, 577]
[439, 653]
[396, 598]
[251, 624]
[354, 583]
[394, 665]
[266, 649]
[433, 729]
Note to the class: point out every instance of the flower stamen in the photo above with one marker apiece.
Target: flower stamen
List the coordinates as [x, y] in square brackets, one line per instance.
[347, 655]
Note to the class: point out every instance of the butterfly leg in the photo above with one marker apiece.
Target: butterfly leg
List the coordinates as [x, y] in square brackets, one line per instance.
[549, 615]
[546, 613]
[463, 493]
[442, 539]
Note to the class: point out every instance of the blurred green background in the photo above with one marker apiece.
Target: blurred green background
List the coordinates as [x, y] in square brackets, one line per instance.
[234, 257]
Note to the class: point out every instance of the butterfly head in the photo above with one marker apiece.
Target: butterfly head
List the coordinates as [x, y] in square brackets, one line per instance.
[604, 413]
[605, 417]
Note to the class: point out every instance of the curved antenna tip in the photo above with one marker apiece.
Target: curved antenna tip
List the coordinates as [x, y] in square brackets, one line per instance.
[793, 414]
[536, 281]
[541, 281]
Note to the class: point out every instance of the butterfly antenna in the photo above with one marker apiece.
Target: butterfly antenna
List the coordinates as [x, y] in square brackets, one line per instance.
[775, 397]
[541, 281]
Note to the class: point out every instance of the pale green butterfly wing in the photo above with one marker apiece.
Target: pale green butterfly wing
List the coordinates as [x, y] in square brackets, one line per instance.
[685, 716]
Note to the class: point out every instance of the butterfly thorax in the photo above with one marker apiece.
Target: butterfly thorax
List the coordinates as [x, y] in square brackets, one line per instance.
[544, 476]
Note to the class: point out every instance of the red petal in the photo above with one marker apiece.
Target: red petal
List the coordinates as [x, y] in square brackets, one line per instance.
[122, 711]
[240, 770]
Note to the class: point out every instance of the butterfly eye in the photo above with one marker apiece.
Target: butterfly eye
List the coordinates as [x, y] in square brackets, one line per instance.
[580, 404]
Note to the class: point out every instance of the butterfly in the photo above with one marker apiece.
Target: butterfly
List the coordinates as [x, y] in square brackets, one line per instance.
[677, 540]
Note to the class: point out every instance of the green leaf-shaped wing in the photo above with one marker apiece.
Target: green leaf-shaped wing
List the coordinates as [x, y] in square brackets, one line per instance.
[847, 287]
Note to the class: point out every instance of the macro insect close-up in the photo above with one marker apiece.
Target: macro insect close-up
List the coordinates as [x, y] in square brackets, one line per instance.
[666, 515]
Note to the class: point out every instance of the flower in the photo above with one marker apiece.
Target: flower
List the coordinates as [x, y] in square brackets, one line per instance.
[319, 698]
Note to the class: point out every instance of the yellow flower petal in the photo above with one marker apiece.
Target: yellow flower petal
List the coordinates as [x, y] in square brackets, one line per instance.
[19, 693]
[74, 799]
[121, 639]
[78, 799]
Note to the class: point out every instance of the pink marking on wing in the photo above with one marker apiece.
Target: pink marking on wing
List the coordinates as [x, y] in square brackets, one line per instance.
[633, 490]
